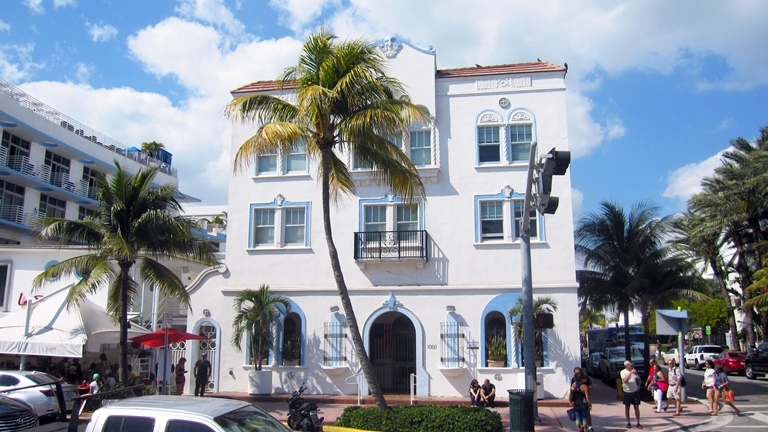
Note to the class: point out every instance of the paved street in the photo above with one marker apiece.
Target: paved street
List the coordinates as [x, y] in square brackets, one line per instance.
[751, 399]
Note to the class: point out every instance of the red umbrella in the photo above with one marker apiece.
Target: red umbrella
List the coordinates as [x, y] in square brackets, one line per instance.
[157, 338]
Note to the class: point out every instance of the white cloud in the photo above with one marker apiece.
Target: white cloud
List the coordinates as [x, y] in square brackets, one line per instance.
[4, 26]
[101, 33]
[16, 62]
[685, 181]
[37, 5]
[577, 200]
[214, 12]
[83, 73]
[297, 14]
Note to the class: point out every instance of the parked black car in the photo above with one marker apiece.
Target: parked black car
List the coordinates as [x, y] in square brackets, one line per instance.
[756, 363]
[16, 415]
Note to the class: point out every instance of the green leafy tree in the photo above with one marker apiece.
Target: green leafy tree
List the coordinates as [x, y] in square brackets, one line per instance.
[344, 102]
[542, 304]
[132, 225]
[152, 148]
[255, 312]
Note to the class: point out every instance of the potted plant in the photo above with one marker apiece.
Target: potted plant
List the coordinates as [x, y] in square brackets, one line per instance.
[543, 304]
[497, 351]
[291, 351]
[255, 312]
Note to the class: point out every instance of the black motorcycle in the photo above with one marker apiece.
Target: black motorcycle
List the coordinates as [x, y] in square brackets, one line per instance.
[303, 417]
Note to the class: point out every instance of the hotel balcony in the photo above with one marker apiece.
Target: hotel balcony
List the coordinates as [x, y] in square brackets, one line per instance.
[391, 246]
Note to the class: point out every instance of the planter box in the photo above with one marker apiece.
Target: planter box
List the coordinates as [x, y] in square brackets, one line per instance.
[259, 382]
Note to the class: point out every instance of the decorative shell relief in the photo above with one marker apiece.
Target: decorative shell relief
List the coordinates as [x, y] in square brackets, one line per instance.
[520, 116]
[488, 118]
[390, 47]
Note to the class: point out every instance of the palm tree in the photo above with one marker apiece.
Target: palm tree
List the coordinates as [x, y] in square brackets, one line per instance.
[132, 225]
[152, 148]
[255, 311]
[344, 102]
[589, 318]
[542, 304]
[703, 244]
[613, 245]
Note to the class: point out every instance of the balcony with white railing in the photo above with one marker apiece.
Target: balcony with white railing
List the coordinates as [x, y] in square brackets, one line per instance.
[17, 215]
[85, 132]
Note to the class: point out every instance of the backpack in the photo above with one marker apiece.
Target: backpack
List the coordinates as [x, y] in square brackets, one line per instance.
[682, 380]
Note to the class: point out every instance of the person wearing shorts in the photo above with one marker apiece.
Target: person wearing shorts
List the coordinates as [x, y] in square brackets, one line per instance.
[629, 384]
[673, 391]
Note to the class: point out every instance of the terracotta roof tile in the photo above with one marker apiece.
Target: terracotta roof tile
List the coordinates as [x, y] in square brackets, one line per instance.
[517, 68]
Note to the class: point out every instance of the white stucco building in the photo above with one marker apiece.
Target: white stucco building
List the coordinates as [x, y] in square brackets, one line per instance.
[430, 282]
[49, 164]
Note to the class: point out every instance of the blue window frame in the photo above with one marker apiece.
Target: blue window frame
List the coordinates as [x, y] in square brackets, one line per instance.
[280, 223]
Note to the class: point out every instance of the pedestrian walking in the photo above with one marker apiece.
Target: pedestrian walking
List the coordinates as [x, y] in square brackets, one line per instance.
[581, 402]
[708, 384]
[630, 383]
[202, 372]
[658, 386]
[578, 373]
[674, 389]
[723, 389]
[180, 378]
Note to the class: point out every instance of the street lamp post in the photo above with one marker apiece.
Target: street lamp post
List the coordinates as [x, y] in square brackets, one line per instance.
[529, 342]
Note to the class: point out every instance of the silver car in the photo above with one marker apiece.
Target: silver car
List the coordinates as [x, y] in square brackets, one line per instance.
[42, 398]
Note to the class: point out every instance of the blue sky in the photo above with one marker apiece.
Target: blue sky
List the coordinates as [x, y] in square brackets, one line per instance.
[656, 89]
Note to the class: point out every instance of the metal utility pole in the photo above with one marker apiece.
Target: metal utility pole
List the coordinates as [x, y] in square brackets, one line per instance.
[529, 337]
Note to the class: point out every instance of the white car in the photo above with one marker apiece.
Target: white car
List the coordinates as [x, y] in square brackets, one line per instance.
[182, 414]
[673, 353]
[700, 354]
[42, 398]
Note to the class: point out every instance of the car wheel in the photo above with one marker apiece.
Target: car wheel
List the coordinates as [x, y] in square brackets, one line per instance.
[749, 372]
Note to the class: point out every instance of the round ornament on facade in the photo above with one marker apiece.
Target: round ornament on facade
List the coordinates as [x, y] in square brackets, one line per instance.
[504, 103]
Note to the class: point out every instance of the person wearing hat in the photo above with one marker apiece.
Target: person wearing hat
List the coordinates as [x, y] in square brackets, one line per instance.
[95, 385]
[629, 384]
[202, 372]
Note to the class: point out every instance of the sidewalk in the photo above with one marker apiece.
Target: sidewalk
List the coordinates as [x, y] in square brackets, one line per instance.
[607, 411]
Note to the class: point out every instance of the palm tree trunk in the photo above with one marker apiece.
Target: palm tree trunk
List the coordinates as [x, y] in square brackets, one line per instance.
[346, 302]
[718, 273]
[746, 277]
[124, 284]
[627, 343]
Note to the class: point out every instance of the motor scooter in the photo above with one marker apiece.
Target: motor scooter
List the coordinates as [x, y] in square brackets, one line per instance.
[303, 417]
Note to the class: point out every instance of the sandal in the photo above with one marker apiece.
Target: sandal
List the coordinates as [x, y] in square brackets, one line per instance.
[675, 414]
[638, 426]
[629, 425]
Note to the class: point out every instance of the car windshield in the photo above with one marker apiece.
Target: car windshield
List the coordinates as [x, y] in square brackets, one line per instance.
[716, 350]
[250, 419]
[618, 353]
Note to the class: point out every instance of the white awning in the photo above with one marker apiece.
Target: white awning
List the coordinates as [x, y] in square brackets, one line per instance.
[55, 331]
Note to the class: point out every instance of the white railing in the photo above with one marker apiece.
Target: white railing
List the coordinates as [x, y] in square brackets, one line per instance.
[358, 381]
[80, 129]
[414, 380]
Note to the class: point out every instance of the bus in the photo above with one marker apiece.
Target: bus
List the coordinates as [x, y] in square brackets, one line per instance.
[596, 337]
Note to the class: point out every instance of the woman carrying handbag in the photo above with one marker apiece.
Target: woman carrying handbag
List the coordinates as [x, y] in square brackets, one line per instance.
[724, 390]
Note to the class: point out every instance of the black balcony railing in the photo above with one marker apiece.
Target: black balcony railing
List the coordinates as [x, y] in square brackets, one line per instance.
[391, 245]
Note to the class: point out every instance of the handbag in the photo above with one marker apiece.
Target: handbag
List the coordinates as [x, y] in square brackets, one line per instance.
[728, 395]
[571, 414]
[662, 386]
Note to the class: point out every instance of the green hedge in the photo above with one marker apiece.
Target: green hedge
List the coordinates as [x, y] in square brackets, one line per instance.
[421, 418]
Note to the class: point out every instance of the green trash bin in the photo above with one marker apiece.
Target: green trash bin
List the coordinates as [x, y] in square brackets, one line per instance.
[521, 410]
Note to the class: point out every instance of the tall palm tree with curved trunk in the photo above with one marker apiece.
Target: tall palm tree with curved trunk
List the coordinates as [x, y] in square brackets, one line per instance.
[133, 224]
[613, 247]
[344, 102]
[703, 243]
[255, 311]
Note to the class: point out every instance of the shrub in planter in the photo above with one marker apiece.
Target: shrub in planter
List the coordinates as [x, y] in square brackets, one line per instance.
[421, 418]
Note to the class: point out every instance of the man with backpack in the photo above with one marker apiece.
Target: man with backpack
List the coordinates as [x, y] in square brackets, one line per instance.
[676, 384]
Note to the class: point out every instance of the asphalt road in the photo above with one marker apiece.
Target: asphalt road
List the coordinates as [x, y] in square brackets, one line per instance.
[751, 399]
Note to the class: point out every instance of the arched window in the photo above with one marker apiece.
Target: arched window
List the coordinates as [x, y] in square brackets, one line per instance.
[292, 340]
[489, 139]
[495, 338]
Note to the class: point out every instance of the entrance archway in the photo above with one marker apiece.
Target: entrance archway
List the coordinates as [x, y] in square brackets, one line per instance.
[393, 352]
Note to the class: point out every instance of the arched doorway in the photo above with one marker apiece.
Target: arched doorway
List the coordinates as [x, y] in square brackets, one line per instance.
[393, 352]
[495, 325]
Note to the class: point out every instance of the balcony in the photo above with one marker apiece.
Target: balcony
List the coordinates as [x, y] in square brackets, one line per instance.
[391, 246]
[16, 215]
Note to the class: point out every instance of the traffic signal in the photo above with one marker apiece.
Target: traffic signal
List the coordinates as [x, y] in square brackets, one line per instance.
[554, 163]
[545, 321]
